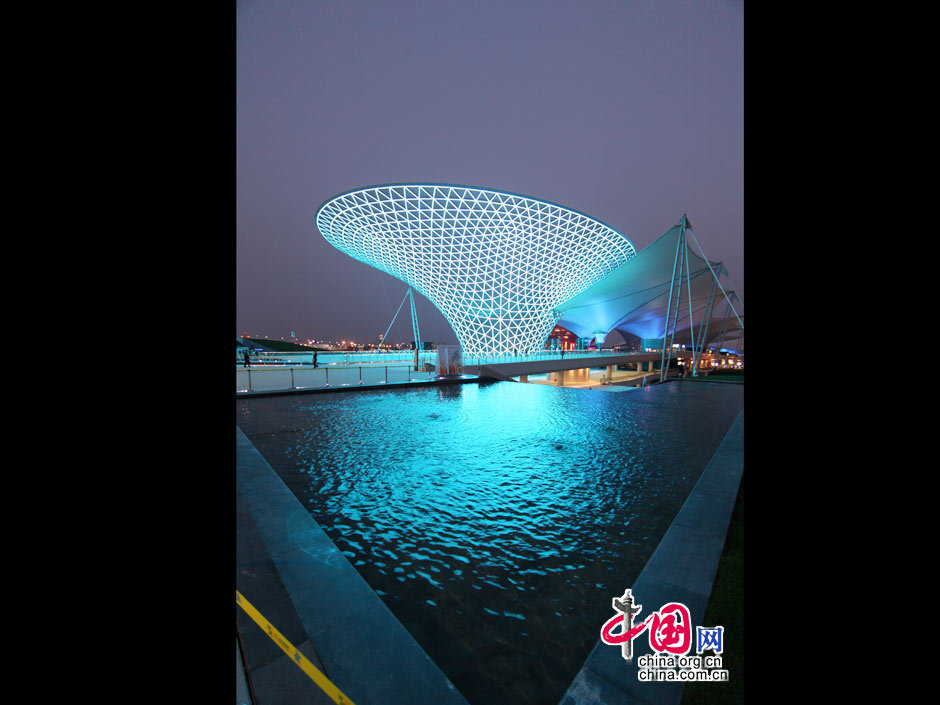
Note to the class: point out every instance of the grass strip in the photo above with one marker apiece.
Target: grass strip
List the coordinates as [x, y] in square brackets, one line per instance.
[726, 608]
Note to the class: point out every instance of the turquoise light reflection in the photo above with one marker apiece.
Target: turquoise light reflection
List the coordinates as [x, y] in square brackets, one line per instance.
[508, 506]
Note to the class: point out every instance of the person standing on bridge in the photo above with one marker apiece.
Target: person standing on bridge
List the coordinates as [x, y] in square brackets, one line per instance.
[314, 359]
[246, 359]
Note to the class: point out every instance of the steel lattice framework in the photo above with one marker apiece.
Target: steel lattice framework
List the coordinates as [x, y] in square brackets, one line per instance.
[496, 264]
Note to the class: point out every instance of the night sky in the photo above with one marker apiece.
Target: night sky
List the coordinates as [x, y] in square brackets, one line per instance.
[631, 112]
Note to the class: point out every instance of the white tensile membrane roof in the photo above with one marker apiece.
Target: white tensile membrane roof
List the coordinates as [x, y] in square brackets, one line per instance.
[634, 297]
[496, 264]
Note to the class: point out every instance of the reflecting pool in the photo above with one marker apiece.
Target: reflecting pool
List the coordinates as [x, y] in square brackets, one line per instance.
[496, 521]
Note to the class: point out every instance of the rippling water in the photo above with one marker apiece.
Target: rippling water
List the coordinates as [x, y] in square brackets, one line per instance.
[496, 522]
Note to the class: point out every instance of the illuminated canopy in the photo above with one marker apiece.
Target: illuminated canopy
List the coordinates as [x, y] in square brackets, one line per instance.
[496, 264]
[634, 298]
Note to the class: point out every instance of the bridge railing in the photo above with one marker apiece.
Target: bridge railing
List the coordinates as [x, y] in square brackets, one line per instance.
[588, 355]
[338, 357]
[272, 378]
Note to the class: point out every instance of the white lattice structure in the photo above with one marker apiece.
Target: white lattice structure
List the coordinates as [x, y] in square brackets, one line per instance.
[496, 264]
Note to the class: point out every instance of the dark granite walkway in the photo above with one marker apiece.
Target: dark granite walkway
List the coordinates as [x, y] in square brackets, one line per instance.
[291, 571]
[275, 678]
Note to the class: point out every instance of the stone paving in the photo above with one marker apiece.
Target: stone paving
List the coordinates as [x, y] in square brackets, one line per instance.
[291, 571]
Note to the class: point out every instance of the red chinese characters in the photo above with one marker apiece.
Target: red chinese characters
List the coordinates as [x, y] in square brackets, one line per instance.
[670, 629]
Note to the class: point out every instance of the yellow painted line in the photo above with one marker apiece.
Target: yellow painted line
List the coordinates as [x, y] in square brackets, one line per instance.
[321, 680]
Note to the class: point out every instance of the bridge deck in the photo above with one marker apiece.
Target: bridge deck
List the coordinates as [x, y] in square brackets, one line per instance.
[513, 367]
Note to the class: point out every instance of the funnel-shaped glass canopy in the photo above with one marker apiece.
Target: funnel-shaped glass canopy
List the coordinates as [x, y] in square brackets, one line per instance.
[495, 264]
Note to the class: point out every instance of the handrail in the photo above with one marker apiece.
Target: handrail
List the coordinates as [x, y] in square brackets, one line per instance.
[342, 357]
[263, 359]
[267, 377]
[553, 355]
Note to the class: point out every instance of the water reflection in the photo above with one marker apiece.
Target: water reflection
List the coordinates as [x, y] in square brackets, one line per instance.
[496, 521]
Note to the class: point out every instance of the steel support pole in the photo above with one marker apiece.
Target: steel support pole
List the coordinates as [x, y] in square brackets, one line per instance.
[724, 323]
[688, 279]
[716, 278]
[703, 330]
[675, 321]
[669, 304]
[407, 293]
[663, 371]
[414, 319]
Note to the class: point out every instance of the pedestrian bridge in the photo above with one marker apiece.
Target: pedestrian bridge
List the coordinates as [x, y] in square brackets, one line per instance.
[393, 369]
[570, 365]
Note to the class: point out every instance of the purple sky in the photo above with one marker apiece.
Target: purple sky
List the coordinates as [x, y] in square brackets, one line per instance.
[631, 112]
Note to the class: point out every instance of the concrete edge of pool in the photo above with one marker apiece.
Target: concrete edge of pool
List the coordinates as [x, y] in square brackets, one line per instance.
[363, 648]
[346, 628]
[681, 569]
